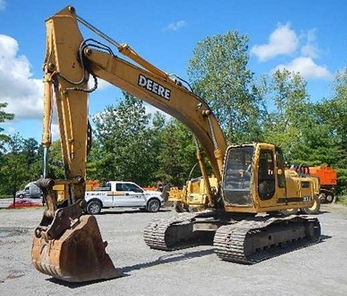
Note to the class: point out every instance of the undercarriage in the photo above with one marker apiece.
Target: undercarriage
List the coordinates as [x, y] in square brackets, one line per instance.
[249, 240]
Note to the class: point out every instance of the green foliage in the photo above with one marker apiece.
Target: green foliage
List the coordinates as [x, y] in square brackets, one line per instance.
[334, 114]
[19, 164]
[176, 155]
[130, 145]
[218, 70]
[342, 181]
[285, 102]
[55, 161]
[125, 143]
[342, 200]
[291, 121]
[4, 117]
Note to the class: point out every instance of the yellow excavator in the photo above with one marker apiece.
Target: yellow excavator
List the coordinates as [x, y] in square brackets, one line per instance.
[243, 201]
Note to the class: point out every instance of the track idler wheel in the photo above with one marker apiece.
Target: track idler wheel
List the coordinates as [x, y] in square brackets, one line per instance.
[78, 255]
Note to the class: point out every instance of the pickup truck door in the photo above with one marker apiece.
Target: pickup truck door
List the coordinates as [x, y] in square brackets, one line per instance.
[133, 196]
[107, 199]
[105, 195]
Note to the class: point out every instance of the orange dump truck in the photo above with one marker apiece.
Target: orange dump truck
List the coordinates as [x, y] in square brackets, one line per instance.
[328, 181]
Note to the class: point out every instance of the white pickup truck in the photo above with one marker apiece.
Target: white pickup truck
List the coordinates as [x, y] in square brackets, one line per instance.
[119, 194]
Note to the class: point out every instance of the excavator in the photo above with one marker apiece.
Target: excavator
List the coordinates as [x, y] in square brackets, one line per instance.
[243, 202]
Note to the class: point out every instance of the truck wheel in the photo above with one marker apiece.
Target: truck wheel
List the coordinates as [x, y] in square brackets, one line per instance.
[94, 207]
[153, 205]
[323, 198]
[315, 207]
[331, 198]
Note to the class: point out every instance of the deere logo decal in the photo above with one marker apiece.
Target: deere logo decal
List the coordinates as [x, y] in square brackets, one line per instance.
[154, 87]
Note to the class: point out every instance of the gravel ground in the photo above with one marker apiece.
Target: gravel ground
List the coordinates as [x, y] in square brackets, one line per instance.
[320, 269]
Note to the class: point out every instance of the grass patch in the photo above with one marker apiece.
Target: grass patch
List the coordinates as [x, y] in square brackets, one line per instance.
[6, 196]
[342, 200]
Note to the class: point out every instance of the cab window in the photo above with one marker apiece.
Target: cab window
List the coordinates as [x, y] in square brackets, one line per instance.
[266, 175]
[128, 187]
[280, 169]
[237, 175]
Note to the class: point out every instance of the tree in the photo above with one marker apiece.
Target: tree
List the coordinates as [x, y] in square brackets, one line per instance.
[317, 146]
[33, 156]
[12, 170]
[334, 113]
[285, 104]
[124, 149]
[176, 155]
[55, 161]
[220, 76]
[21, 164]
[294, 123]
[4, 117]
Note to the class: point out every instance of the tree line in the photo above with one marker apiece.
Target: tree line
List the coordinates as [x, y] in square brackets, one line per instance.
[130, 144]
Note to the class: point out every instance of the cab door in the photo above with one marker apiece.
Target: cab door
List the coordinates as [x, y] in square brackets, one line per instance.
[266, 177]
[131, 195]
[270, 177]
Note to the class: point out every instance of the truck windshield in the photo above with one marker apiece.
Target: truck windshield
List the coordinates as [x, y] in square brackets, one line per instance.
[237, 175]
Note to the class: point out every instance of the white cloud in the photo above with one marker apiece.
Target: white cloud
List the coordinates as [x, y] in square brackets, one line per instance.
[175, 26]
[310, 49]
[2, 5]
[307, 68]
[282, 41]
[23, 93]
[102, 84]
[55, 131]
[303, 52]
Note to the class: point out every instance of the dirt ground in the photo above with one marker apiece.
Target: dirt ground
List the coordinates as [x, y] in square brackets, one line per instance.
[320, 269]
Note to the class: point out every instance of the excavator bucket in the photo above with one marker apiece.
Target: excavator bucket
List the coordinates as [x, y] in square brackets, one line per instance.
[78, 255]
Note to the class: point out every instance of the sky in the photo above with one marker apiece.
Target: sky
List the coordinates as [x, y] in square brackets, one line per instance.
[309, 37]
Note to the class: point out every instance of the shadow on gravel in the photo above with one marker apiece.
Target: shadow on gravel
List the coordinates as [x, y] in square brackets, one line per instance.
[76, 285]
[323, 238]
[324, 212]
[164, 260]
[167, 259]
[130, 211]
[124, 270]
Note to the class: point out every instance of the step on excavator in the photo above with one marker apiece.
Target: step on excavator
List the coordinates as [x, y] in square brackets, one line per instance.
[243, 201]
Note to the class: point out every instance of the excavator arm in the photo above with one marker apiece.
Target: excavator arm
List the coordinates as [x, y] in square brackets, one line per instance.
[67, 244]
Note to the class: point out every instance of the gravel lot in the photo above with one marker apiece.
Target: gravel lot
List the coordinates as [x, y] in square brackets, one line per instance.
[320, 269]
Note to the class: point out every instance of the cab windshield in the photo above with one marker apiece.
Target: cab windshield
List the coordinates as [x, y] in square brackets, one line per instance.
[237, 175]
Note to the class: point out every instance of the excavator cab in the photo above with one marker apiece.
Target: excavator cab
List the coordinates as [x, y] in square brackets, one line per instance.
[254, 180]
[249, 165]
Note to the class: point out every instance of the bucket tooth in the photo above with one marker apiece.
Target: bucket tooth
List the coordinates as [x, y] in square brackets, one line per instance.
[78, 255]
